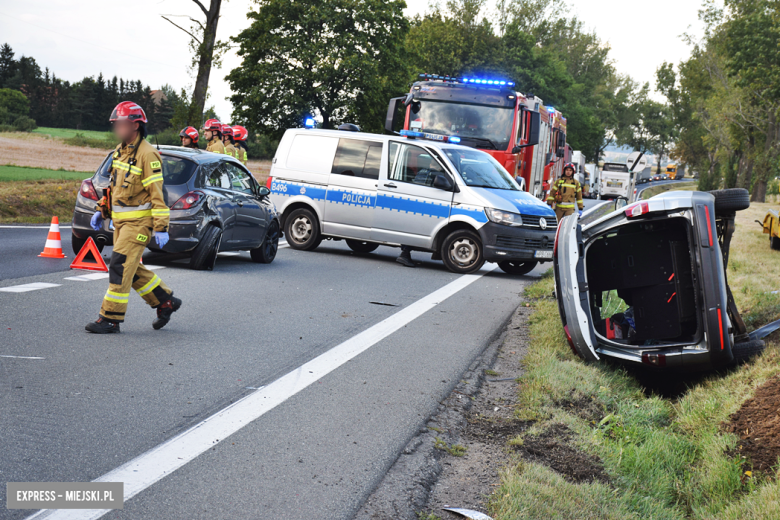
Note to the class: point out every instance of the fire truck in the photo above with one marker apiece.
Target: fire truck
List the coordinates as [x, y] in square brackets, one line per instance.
[526, 137]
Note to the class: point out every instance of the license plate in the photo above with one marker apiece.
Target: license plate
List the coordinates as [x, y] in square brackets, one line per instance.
[614, 184]
[543, 254]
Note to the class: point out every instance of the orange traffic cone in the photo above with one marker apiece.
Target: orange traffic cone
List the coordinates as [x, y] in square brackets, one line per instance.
[53, 247]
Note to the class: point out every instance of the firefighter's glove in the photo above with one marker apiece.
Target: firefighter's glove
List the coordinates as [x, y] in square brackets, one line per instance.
[580, 213]
[96, 222]
[161, 237]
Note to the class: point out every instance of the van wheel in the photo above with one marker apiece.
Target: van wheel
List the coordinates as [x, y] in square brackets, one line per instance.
[745, 351]
[78, 243]
[462, 252]
[266, 253]
[302, 230]
[362, 247]
[516, 267]
[205, 255]
[774, 242]
[730, 200]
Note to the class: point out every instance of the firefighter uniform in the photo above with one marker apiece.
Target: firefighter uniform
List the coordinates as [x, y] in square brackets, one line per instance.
[565, 192]
[241, 155]
[231, 150]
[137, 208]
[216, 145]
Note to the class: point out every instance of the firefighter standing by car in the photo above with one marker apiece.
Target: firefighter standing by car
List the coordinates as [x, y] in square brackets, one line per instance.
[212, 132]
[189, 137]
[240, 135]
[227, 140]
[566, 192]
[135, 203]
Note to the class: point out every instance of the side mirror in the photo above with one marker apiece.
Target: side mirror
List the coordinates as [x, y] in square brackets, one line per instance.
[620, 202]
[263, 191]
[392, 112]
[535, 125]
[442, 182]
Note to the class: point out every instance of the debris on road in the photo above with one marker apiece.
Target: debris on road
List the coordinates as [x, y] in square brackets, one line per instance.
[468, 513]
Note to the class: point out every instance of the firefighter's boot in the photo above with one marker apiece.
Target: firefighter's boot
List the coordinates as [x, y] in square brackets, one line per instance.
[164, 312]
[103, 326]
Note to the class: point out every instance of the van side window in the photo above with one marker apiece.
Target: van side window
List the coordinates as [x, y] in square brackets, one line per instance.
[358, 158]
[412, 164]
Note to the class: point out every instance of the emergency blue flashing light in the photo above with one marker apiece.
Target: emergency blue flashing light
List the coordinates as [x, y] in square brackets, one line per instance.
[411, 133]
[480, 81]
[309, 122]
[453, 139]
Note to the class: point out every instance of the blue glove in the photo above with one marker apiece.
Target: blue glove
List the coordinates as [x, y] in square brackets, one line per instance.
[161, 237]
[96, 222]
[580, 213]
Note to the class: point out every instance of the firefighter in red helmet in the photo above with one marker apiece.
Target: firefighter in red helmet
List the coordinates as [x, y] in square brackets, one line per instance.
[240, 135]
[212, 132]
[566, 192]
[135, 202]
[189, 137]
[227, 140]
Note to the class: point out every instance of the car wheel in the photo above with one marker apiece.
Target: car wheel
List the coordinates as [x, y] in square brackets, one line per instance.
[362, 247]
[517, 267]
[78, 243]
[266, 253]
[302, 230]
[747, 350]
[205, 255]
[774, 242]
[730, 200]
[462, 252]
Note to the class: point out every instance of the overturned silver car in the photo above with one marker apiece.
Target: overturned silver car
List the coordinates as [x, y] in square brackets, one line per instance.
[646, 283]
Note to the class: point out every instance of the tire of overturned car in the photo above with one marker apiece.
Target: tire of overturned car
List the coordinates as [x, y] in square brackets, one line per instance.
[747, 350]
[731, 200]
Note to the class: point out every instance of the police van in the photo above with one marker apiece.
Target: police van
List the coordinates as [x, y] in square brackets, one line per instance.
[431, 195]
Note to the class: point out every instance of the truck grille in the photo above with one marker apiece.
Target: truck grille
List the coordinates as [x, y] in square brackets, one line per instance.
[523, 243]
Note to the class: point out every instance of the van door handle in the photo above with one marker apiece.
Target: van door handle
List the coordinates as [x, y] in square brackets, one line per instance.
[390, 185]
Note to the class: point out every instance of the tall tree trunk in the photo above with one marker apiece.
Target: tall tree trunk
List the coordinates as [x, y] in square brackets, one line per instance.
[206, 58]
[745, 177]
[767, 162]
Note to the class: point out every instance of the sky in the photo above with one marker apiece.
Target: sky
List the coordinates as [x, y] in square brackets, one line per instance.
[130, 39]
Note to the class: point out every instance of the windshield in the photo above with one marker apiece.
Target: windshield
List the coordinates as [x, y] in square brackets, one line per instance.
[490, 126]
[480, 170]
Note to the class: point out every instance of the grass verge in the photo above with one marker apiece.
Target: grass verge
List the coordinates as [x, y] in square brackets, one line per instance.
[681, 186]
[9, 173]
[665, 458]
[66, 133]
[36, 202]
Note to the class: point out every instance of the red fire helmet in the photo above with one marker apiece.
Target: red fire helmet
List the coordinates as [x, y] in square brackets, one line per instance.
[227, 130]
[128, 110]
[212, 124]
[190, 132]
[240, 133]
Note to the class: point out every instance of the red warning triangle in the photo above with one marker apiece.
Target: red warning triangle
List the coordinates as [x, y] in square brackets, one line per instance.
[96, 263]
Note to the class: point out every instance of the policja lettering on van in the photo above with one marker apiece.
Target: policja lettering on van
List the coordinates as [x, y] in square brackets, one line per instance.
[356, 198]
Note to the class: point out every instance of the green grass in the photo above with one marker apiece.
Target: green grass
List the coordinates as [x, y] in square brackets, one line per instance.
[35, 202]
[681, 186]
[23, 173]
[666, 459]
[66, 133]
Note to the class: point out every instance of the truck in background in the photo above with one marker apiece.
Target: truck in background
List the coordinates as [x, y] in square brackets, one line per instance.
[526, 137]
[645, 175]
[675, 172]
[615, 181]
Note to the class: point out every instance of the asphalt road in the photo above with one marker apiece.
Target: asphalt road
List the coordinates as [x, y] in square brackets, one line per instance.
[349, 379]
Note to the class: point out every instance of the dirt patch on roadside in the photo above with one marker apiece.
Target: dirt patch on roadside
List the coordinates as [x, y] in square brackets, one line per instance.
[39, 152]
[553, 450]
[757, 423]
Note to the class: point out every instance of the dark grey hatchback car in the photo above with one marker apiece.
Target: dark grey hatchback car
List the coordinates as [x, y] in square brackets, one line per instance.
[216, 205]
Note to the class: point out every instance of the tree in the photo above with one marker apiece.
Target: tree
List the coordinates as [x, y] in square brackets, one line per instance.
[338, 60]
[206, 52]
[7, 64]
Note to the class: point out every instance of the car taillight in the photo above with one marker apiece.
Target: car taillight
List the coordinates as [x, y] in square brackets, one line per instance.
[269, 182]
[571, 343]
[636, 210]
[88, 190]
[188, 200]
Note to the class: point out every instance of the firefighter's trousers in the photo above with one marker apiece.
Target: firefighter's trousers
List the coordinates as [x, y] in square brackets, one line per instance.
[125, 270]
[562, 212]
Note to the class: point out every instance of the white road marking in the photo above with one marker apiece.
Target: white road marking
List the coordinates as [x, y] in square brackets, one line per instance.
[88, 277]
[21, 357]
[33, 227]
[28, 287]
[162, 460]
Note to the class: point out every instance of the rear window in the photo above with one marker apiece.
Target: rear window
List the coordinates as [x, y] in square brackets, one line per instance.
[358, 158]
[175, 169]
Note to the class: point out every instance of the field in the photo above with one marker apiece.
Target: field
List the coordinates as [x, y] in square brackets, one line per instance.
[65, 133]
[651, 447]
[655, 190]
[35, 202]
[23, 173]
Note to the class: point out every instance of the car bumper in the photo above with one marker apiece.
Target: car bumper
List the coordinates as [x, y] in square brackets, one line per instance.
[506, 243]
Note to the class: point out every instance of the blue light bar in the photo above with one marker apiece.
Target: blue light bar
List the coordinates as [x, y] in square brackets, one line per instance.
[411, 133]
[309, 122]
[454, 139]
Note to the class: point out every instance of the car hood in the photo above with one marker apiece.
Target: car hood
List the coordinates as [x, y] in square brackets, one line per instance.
[514, 201]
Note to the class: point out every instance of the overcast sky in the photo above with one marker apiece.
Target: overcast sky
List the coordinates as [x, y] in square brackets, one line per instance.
[129, 39]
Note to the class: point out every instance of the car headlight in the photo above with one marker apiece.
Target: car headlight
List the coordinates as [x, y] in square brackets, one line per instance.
[504, 217]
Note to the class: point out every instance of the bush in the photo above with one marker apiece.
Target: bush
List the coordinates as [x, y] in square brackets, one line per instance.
[262, 147]
[25, 124]
[7, 128]
[773, 188]
[81, 140]
[169, 136]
